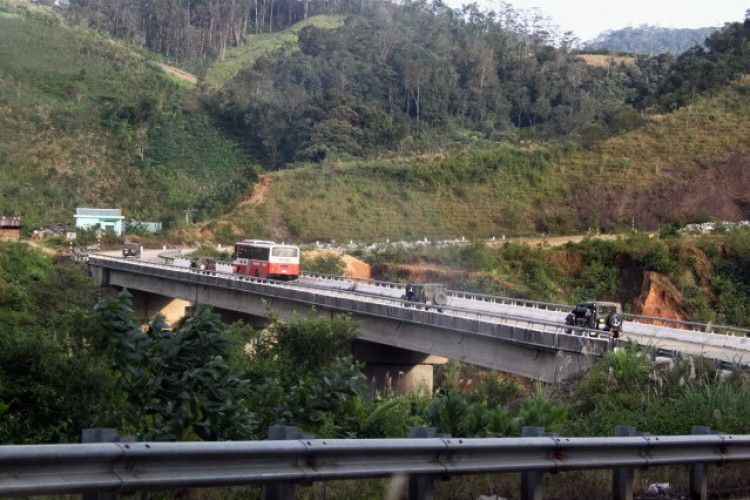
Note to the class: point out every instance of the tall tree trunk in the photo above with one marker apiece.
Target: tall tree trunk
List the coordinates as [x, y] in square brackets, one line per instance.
[270, 20]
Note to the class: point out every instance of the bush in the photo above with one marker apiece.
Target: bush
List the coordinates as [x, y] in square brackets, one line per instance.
[326, 263]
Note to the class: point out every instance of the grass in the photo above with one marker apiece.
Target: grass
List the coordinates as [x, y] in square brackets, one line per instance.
[263, 44]
[506, 190]
[69, 102]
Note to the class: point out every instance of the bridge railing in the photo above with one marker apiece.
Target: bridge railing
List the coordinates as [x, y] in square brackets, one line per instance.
[547, 306]
[535, 304]
[399, 309]
[122, 468]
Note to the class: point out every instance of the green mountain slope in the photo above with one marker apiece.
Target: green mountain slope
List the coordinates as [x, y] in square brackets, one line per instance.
[679, 165]
[84, 121]
[264, 44]
[647, 39]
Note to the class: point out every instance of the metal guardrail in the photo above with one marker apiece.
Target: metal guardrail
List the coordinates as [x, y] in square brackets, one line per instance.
[490, 317]
[130, 467]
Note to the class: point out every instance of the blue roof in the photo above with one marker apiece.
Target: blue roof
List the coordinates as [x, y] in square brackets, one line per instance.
[98, 212]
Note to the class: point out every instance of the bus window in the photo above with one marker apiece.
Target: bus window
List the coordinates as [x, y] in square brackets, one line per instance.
[243, 252]
[259, 253]
[284, 252]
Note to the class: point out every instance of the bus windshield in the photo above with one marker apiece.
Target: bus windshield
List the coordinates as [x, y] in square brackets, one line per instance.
[284, 252]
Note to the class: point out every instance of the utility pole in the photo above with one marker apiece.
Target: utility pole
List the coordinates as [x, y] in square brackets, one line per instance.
[187, 216]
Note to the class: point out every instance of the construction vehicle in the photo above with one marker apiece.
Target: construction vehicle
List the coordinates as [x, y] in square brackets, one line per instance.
[604, 316]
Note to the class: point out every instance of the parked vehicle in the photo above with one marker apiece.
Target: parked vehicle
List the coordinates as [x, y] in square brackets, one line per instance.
[131, 250]
[266, 259]
[604, 316]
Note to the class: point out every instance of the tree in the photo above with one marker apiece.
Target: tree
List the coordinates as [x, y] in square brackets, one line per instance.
[177, 382]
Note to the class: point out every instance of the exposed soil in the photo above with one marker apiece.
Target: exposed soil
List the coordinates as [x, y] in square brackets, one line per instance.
[571, 262]
[722, 188]
[556, 241]
[416, 273]
[430, 274]
[660, 298]
[182, 75]
[259, 191]
[603, 60]
[39, 246]
[355, 268]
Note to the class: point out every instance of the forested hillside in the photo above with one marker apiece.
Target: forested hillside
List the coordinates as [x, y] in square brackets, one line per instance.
[677, 166]
[85, 121]
[647, 39]
[501, 100]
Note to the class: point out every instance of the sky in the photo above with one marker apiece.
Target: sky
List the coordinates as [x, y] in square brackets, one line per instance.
[588, 18]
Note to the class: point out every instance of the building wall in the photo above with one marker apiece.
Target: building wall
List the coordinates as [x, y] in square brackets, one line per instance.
[7, 234]
[103, 222]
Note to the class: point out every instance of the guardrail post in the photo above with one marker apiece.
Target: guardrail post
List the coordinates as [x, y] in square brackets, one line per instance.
[282, 491]
[103, 435]
[423, 487]
[532, 485]
[698, 486]
[622, 478]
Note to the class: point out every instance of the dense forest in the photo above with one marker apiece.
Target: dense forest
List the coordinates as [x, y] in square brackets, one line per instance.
[646, 39]
[394, 75]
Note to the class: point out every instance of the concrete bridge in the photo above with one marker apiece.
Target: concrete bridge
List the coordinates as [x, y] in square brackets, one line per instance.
[397, 337]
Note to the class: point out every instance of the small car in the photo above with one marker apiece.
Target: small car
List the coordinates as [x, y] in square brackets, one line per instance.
[604, 316]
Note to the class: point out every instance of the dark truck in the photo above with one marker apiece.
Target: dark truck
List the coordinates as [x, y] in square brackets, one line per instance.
[131, 250]
[604, 316]
[429, 293]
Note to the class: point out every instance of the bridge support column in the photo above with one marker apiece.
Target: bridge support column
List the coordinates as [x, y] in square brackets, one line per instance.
[391, 370]
[146, 305]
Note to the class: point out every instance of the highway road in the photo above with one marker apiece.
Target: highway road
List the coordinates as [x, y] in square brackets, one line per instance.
[718, 346]
[689, 342]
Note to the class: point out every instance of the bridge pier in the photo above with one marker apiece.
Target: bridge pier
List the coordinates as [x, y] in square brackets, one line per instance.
[393, 370]
[146, 305]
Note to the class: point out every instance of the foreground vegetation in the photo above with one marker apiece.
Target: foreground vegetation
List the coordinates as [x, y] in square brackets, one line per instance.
[69, 361]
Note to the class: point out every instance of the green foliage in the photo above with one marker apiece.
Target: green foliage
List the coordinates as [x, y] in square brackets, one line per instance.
[327, 403]
[655, 256]
[496, 393]
[307, 347]
[539, 410]
[326, 263]
[647, 39]
[54, 377]
[212, 252]
[177, 382]
[706, 67]
[70, 84]
[625, 390]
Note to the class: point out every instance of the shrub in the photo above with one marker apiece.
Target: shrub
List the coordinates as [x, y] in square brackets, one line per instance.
[326, 263]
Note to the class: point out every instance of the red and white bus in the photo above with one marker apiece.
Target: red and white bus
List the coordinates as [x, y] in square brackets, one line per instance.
[266, 259]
